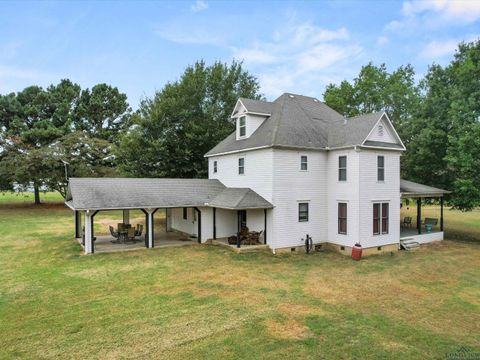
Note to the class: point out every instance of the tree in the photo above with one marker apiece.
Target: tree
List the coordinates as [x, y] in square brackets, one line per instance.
[171, 132]
[40, 128]
[375, 89]
[102, 112]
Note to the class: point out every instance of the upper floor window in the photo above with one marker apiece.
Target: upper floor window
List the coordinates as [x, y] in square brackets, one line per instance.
[342, 218]
[302, 212]
[304, 163]
[342, 168]
[380, 168]
[380, 218]
[215, 167]
[242, 126]
[241, 166]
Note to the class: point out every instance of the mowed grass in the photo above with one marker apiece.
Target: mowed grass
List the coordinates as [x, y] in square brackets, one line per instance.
[203, 302]
[9, 197]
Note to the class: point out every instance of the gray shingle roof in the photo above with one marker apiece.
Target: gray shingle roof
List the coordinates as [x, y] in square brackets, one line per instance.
[124, 193]
[410, 188]
[240, 198]
[257, 106]
[299, 121]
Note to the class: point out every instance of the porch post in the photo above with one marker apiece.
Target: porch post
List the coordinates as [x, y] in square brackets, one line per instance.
[441, 213]
[147, 218]
[88, 246]
[168, 219]
[419, 215]
[78, 224]
[199, 236]
[149, 235]
[265, 227]
[126, 216]
[214, 223]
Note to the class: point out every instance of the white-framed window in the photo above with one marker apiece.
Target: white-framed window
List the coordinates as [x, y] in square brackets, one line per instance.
[380, 168]
[303, 162]
[342, 218]
[303, 211]
[215, 166]
[380, 218]
[342, 168]
[241, 166]
[242, 126]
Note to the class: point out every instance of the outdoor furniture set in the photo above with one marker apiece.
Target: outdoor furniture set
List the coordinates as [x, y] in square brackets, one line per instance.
[126, 233]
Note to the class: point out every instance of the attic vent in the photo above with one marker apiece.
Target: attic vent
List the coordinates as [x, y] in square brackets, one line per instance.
[380, 130]
[291, 96]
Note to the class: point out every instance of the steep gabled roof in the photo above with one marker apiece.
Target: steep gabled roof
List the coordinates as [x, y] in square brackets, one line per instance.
[299, 121]
[257, 106]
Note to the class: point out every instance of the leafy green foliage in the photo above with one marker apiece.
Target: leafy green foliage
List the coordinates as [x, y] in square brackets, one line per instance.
[438, 120]
[40, 128]
[172, 131]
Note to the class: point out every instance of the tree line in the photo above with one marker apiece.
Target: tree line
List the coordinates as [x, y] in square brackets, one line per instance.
[96, 133]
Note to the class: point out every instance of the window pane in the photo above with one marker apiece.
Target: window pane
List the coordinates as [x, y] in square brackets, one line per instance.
[242, 121]
[381, 174]
[381, 161]
[242, 131]
[303, 212]
[342, 162]
[376, 218]
[342, 218]
[342, 174]
[385, 218]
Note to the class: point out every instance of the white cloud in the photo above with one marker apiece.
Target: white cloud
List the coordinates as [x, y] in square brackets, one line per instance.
[199, 5]
[301, 58]
[438, 49]
[435, 14]
[463, 10]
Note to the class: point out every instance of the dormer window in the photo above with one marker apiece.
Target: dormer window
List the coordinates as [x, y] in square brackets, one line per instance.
[215, 167]
[242, 126]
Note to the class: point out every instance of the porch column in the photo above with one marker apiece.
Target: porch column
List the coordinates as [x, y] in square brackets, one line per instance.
[214, 223]
[265, 226]
[88, 246]
[419, 215]
[78, 224]
[147, 218]
[126, 216]
[149, 234]
[199, 219]
[441, 213]
[168, 219]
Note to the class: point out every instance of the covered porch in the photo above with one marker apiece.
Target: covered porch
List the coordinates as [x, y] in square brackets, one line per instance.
[419, 225]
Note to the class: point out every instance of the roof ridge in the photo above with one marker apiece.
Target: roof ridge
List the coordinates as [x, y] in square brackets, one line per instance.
[277, 125]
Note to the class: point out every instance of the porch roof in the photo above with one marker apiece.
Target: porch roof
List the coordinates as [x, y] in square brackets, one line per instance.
[410, 189]
[239, 199]
[134, 193]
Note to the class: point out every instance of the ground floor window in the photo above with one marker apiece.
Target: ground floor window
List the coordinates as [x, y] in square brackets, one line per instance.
[342, 218]
[185, 213]
[302, 212]
[380, 218]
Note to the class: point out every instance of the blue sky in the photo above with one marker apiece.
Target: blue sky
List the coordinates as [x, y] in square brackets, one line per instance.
[290, 46]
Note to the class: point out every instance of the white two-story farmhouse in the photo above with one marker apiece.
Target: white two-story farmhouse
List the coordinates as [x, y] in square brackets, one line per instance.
[292, 167]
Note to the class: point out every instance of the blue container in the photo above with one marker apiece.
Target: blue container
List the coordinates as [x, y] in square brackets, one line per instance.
[428, 228]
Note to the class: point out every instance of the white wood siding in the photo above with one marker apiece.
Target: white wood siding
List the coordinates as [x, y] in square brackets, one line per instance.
[190, 225]
[372, 191]
[291, 186]
[386, 135]
[345, 192]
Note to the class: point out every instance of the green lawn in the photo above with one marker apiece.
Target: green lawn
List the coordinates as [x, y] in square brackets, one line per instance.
[203, 302]
[8, 197]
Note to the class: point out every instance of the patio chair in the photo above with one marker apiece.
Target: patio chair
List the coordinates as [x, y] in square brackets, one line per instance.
[407, 221]
[114, 234]
[139, 230]
[131, 234]
[430, 223]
